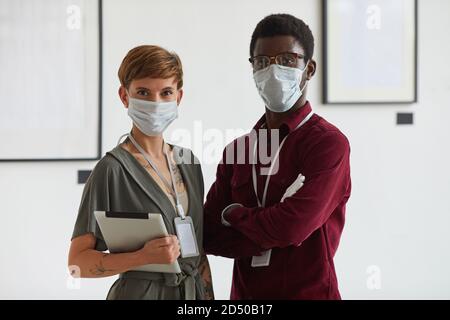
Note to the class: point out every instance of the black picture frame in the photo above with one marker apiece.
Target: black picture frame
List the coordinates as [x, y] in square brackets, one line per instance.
[100, 101]
[328, 99]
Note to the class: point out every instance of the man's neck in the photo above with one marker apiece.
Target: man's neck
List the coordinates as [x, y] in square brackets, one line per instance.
[153, 145]
[274, 120]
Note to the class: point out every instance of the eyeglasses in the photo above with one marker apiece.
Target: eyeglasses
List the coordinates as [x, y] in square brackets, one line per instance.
[287, 59]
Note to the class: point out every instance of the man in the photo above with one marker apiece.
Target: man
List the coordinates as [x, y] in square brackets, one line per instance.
[282, 223]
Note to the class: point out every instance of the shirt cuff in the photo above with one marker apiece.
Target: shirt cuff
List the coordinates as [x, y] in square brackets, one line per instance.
[227, 210]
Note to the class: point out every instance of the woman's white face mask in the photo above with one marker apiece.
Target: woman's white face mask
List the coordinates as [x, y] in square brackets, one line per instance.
[279, 86]
[152, 118]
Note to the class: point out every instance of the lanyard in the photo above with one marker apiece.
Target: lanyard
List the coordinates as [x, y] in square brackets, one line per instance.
[275, 158]
[171, 187]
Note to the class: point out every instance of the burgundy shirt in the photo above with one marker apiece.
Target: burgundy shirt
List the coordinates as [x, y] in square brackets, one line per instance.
[313, 217]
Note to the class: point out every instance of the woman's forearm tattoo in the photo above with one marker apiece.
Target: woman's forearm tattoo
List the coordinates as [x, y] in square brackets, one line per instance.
[99, 269]
[205, 273]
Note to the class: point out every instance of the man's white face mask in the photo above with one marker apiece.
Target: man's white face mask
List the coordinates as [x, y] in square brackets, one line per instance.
[279, 86]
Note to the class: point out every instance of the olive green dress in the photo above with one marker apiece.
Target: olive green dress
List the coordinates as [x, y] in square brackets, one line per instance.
[120, 183]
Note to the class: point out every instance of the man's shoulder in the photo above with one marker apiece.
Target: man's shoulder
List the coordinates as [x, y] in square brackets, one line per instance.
[323, 130]
[323, 126]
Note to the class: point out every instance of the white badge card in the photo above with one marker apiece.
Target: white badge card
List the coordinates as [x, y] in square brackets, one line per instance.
[186, 236]
[262, 260]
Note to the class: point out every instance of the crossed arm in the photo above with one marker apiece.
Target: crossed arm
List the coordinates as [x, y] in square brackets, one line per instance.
[289, 222]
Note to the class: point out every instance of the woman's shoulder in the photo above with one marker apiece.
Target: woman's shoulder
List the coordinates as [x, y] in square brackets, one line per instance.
[107, 165]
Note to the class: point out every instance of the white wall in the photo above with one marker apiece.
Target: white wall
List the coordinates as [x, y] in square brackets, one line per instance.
[398, 215]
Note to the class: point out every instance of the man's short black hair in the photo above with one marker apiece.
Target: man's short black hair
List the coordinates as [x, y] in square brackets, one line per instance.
[284, 25]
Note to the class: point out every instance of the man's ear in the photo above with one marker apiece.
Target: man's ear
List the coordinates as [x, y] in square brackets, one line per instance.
[123, 96]
[311, 69]
[180, 96]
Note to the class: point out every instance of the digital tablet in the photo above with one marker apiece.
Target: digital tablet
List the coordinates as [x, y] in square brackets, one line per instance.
[127, 232]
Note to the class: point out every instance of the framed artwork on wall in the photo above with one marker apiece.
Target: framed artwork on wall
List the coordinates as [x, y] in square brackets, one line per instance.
[50, 80]
[369, 51]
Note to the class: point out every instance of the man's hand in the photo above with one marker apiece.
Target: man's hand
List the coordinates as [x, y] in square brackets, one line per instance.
[294, 187]
[226, 211]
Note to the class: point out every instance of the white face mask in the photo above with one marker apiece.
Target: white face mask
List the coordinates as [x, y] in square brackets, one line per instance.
[279, 86]
[152, 118]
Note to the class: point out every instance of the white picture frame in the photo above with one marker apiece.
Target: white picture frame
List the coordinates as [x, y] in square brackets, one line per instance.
[50, 84]
[370, 51]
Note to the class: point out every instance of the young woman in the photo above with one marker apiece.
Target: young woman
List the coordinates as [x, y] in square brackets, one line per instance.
[145, 174]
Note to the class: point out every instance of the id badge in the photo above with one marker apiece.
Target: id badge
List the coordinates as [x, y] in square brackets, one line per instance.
[262, 260]
[186, 235]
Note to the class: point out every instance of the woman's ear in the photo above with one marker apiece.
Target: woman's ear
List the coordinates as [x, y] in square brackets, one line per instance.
[123, 96]
[180, 96]
[311, 69]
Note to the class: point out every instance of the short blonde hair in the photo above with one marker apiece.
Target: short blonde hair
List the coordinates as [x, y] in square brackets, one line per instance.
[150, 61]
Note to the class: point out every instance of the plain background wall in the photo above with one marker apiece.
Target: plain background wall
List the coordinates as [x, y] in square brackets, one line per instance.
[399, 212]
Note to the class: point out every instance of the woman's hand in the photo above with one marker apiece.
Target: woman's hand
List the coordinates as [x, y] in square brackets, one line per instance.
[164, 250]
[86, 262]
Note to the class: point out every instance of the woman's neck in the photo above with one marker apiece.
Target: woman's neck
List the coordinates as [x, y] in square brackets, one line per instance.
[153, 145]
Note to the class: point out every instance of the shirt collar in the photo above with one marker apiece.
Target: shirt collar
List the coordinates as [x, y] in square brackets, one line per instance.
[292, 121]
